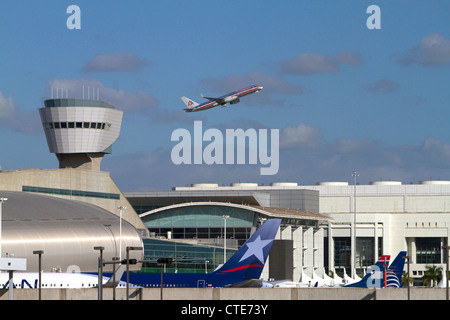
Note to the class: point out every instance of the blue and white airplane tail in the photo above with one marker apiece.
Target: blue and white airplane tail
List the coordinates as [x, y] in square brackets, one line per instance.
[375, 277]
[395, 271]
[190, 104]
[248, 262]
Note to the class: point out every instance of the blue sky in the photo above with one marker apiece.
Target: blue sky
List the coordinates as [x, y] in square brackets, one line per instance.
[343, 97]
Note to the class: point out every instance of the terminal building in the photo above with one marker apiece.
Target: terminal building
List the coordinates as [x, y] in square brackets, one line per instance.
[318, 221]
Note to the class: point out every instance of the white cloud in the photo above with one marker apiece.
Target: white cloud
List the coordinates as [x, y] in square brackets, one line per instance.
[13, 118]
[382, 86]
[7, 106]
[433, 49]
[301, 136]
[309, 63]
[120, 62]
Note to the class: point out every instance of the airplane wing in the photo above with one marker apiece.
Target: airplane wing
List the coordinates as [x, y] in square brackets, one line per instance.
[218, 100]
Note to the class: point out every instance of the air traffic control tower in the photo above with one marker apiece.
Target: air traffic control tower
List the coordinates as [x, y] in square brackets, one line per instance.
[79, 131]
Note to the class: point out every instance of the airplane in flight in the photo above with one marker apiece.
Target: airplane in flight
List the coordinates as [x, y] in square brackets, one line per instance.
[247, 263]
[231, 98]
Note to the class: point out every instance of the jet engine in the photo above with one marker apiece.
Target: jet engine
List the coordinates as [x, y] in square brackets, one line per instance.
[231, 99]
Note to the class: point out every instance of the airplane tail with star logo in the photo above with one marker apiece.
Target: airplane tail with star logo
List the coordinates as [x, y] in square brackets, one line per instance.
[248, 262]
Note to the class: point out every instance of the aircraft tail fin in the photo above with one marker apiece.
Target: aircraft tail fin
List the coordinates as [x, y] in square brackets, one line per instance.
[190, 104]
[375, 276]
[395, 271]
[249, 260]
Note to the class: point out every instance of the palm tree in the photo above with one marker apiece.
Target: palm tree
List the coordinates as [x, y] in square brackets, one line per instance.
[432, 275]
[405, 279]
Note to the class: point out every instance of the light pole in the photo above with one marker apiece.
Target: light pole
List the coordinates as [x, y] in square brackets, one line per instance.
[407, 282]
[225, 217]
[355, 175]
[40, 253]
[120, 230]
[446, 272]
[163, 262]
[2, 200]
[100, 272]
[128, 266]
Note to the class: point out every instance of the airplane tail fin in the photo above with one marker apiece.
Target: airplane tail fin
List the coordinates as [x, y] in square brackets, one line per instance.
[375, 276]
[190, 104]
[395, 271]
[249, 260]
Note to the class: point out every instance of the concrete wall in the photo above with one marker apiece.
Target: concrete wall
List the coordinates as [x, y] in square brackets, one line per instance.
[231, 294]
[73, 179]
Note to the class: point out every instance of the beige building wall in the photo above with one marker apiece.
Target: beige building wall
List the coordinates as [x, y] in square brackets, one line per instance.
[75, 180]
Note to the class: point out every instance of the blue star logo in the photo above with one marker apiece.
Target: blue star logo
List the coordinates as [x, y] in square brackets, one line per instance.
[255, 248]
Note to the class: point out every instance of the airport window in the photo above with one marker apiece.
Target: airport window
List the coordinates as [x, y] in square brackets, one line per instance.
[79, 125]
[342, 252]
[428, 250]
[67, 192]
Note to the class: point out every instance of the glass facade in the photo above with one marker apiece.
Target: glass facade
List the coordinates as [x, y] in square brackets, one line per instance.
[342, 252]
[365, 257]
[200, 216]
[204, 259]
[428, 250]
[201, 222]
[69, 192]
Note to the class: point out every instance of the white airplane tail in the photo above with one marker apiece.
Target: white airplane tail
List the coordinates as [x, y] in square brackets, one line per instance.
[189, 102]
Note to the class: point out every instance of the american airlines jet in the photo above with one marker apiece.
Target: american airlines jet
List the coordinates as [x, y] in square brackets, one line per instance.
[246, 263]
[231, 98]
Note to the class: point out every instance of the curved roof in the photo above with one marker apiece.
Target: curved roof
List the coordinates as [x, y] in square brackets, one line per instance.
[67, 231]
[269, 212]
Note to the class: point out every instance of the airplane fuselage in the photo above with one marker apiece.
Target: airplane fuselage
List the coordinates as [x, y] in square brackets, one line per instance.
[231, 98]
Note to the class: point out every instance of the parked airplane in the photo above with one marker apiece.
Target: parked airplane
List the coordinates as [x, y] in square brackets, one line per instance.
[56, 280]
[376, 278]
[395, 271]
[232, 98]
[314, 282]
[246, 263]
